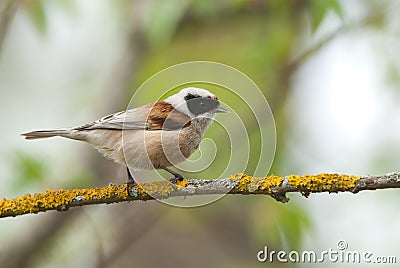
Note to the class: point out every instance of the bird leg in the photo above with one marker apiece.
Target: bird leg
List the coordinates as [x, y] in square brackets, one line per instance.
[178, 177]
[130, 181]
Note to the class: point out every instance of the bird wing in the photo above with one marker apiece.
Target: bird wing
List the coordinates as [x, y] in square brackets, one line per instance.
[153, 116]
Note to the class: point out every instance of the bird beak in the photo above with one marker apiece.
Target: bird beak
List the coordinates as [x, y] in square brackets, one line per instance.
[221, 110]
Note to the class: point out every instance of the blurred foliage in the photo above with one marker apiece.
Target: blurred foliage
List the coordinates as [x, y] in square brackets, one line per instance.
[165, 18]
[34, 169]
[81, 179]
[320, 8]
[280, 225]
[38, 14]
[29, 170]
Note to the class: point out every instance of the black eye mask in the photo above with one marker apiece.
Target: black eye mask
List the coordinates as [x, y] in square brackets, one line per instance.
[199, 105]
[191, 96]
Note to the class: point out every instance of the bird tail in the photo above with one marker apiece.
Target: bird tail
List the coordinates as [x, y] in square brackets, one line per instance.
[41, 134]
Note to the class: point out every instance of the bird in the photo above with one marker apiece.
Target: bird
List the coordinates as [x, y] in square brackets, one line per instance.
[157, 135]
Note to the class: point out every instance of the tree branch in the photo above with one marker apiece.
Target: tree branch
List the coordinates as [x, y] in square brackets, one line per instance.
[274, 186]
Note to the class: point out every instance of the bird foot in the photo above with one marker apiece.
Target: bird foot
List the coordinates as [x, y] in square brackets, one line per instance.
[175, 180]
[129, 185]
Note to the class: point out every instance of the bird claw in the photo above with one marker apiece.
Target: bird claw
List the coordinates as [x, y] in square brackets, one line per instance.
[129, 185]
[173, 181]
[176, 179]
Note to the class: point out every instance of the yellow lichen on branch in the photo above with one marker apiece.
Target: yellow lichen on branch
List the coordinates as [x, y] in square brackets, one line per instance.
[274, 186]
[252, 184]
[324, 182]
[57, 199]
[312, 183]
[63, 199]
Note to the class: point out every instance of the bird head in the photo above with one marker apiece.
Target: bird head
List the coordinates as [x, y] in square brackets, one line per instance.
[196, 103]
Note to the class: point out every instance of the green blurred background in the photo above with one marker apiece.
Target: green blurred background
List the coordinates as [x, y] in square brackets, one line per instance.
[330, 71]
